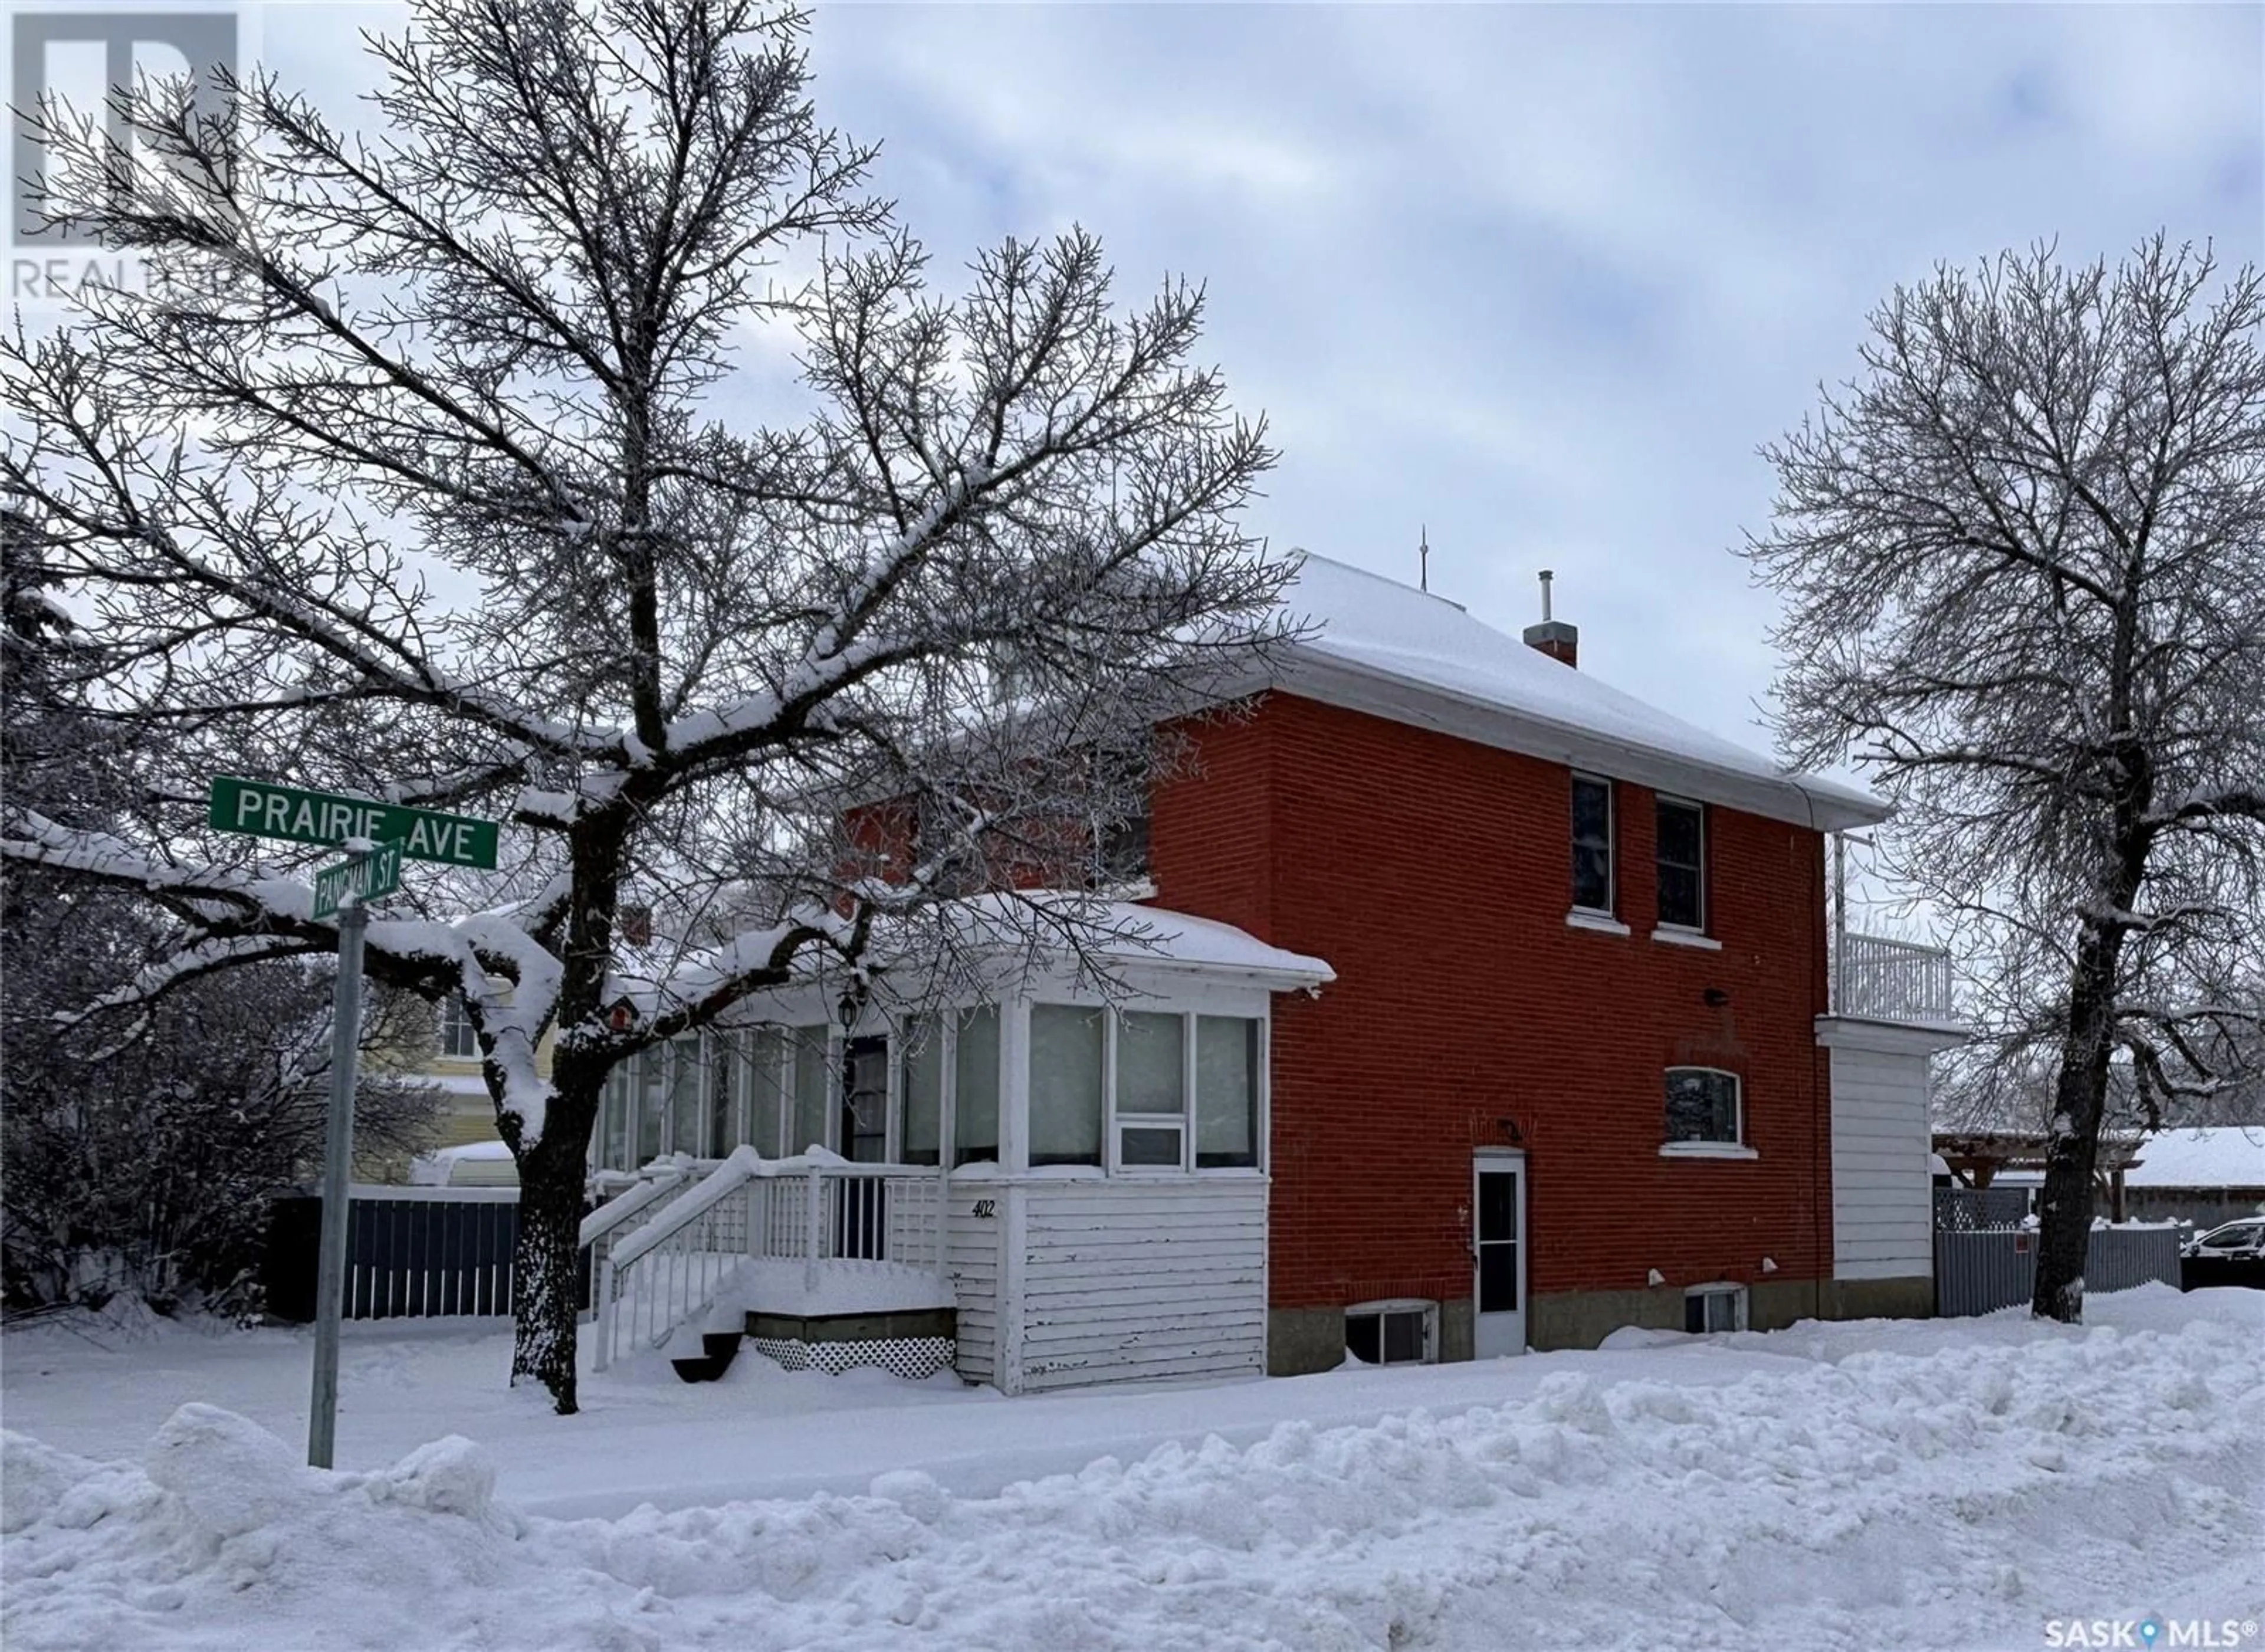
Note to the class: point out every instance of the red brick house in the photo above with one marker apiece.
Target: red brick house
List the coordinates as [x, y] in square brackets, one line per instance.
[1545, 904]
[1483, 1006]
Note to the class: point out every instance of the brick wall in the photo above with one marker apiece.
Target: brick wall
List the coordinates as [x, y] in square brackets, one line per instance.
[1433, 875]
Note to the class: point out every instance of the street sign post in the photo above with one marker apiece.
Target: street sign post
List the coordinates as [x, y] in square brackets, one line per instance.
[328, 817]
[364, 877]
[344, 888]
[338, 1154]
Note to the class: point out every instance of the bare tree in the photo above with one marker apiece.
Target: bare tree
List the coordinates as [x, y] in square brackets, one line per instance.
[141, 1157]
[413, 469]
[2023, 561]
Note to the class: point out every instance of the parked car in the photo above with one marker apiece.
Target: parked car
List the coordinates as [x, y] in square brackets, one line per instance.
[2232, 1254]
[2243, 1238]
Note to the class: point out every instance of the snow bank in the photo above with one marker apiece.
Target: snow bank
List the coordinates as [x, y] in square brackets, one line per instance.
[221, 1536]
[1959, 1495]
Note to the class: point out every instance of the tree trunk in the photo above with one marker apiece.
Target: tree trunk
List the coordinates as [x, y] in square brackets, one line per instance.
[2080, 1101]
[543, 1265]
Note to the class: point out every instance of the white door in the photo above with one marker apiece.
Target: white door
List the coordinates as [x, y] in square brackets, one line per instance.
[1498, 1252]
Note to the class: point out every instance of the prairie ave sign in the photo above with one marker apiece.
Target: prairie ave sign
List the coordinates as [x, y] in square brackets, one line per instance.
[364, 877]
[344, 890]
[325, 817]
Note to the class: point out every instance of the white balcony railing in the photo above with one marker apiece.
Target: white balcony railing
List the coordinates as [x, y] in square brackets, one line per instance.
[1878, 980]
[666, 1269]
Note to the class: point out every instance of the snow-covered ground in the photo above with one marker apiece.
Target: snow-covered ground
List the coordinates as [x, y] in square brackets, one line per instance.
[1944, 1484]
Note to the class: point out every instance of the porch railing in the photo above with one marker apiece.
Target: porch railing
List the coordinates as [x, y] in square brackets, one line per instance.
[668, 1271]
[1880, 980]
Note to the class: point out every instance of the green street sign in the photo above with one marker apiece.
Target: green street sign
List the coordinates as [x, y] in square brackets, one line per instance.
[364, 877]
[325, 817]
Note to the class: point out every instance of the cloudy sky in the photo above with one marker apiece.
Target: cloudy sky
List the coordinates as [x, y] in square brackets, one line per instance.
[1537, 280]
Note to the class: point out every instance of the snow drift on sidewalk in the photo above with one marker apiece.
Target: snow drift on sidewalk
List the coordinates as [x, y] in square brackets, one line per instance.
[1960, 1496]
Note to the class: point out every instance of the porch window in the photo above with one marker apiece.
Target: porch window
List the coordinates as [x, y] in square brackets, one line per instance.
[1703, 1105]
[1592, 844]
[975, 1086]
[1065, 1070]
[614, 1117]
[764, 1126]
[722, 1087]
[1227, 1092]
[1682, 864]
[811, 1086]
[688, 1111]
[1393, 1333]
[923, 1093]
[1152, 1099]
[652, 1106]
[1715, 1307]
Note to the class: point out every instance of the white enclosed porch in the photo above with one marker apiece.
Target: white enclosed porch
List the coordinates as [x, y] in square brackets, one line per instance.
[1083, 1173]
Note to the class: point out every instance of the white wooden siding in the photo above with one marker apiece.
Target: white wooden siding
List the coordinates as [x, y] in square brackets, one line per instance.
[1118, 1280]
[973, 1261]
[1883, 1190]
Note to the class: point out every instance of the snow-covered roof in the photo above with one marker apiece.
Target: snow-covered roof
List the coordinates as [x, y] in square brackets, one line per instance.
[1390, 649]
[2219, 1156]
[1151, 935]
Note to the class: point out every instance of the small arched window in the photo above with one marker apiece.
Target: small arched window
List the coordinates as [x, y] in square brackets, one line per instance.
[1704, 1104]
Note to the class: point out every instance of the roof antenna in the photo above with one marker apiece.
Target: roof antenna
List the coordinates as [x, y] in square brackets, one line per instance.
[1423, 560]
[1546, 576]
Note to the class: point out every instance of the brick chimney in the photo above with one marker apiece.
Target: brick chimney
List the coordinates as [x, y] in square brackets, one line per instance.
[1554, 637]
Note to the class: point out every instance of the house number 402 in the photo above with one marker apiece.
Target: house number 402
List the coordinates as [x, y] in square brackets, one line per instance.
[986, 1207]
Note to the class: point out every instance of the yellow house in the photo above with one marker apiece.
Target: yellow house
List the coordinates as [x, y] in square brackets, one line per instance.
[438, 1049]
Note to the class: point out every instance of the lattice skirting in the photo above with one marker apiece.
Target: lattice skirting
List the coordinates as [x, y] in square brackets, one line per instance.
[909, 1357]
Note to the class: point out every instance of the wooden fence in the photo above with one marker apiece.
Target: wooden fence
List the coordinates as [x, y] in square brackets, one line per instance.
[411, 1253]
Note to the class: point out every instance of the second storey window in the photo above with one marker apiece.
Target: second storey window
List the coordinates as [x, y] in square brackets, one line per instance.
[1682, 864]
[1592, 843]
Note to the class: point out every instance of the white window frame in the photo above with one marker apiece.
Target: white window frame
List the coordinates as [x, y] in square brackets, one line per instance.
[1186, 1120]
[1706, 1147]
[945, 1032]
[1610, 910]
[1664, 801]
[1115, 1122]
[1740, 1300]
[1121, 1121]
[454, 1015]
[1385, 1305]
